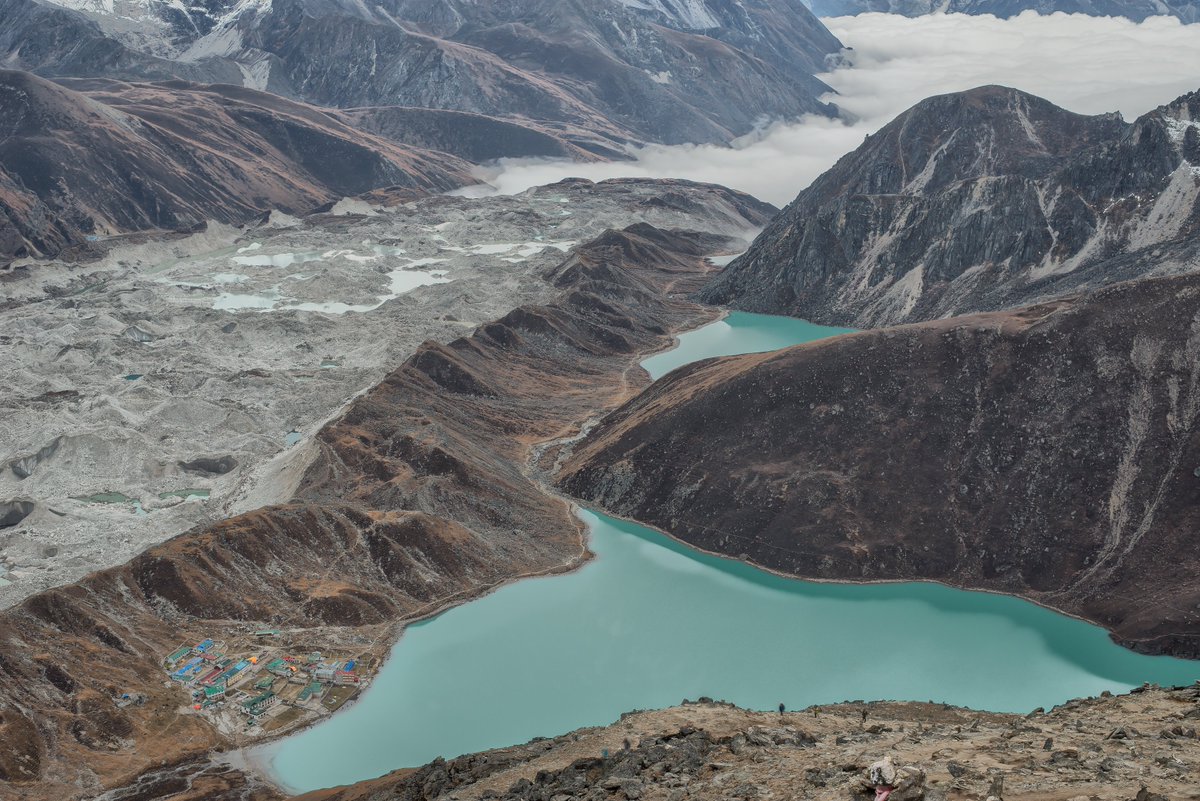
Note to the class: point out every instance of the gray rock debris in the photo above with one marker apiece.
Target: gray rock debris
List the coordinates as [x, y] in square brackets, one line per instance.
[886, 780]
[258, 332]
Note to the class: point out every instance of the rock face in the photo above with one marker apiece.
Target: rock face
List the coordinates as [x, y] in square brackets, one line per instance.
[99, 157]
[1186, 10]
[704, 71]
[977, 201]
[1051, 452]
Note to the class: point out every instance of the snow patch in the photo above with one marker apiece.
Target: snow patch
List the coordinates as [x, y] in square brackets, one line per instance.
[901, 297]
[1026, 125]
[88, 6]
[225, 40]
[257, 75]
[1177, 129]
[1172, 209]
[692, 15]
[921, 179]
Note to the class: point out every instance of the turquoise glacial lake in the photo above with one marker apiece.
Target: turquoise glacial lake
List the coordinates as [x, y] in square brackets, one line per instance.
[650, 622]
[738, 333]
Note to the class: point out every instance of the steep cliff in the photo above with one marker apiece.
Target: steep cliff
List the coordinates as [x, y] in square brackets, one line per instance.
[977, 201]
[1052, 452]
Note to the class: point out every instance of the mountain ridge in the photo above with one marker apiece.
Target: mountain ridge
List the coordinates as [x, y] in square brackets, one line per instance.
[628, 70]
[977, 201]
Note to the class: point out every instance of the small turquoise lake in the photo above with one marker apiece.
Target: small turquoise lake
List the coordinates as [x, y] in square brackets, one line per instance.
[650, 622]
[738, 333]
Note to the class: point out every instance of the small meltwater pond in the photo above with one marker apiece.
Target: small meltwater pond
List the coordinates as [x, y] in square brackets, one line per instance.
[650, 622]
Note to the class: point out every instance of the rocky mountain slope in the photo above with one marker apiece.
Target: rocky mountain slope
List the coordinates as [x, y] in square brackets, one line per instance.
[704, 71]
[976, 201]
[1051, 452]
[1139, 747]
[1187, 11]
[105, 158]
[418, 495]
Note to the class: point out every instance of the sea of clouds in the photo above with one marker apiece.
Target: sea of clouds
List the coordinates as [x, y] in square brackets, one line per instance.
[1086, 64]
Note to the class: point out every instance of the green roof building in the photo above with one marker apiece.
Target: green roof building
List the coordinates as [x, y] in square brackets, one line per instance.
[174, 658]
[260, 703]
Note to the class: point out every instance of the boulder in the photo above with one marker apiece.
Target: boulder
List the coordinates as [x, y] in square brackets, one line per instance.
[906, 783]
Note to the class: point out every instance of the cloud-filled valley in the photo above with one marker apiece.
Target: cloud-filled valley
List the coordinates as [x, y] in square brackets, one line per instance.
[1090, 65]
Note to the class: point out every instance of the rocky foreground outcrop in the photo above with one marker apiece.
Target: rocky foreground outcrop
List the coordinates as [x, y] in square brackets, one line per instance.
[1052, 452]
[1139, 747]
[419, 498]
[106, 158]
[978, 201]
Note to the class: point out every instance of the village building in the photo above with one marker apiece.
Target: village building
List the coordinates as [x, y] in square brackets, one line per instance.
[260, 703]
[177, 656]
[344, 677]
[281, 667]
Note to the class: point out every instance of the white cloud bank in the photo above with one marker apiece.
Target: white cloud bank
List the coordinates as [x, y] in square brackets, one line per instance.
[1086, 64]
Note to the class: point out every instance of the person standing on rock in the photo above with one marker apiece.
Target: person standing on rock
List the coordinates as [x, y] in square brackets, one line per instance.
[782, 708]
